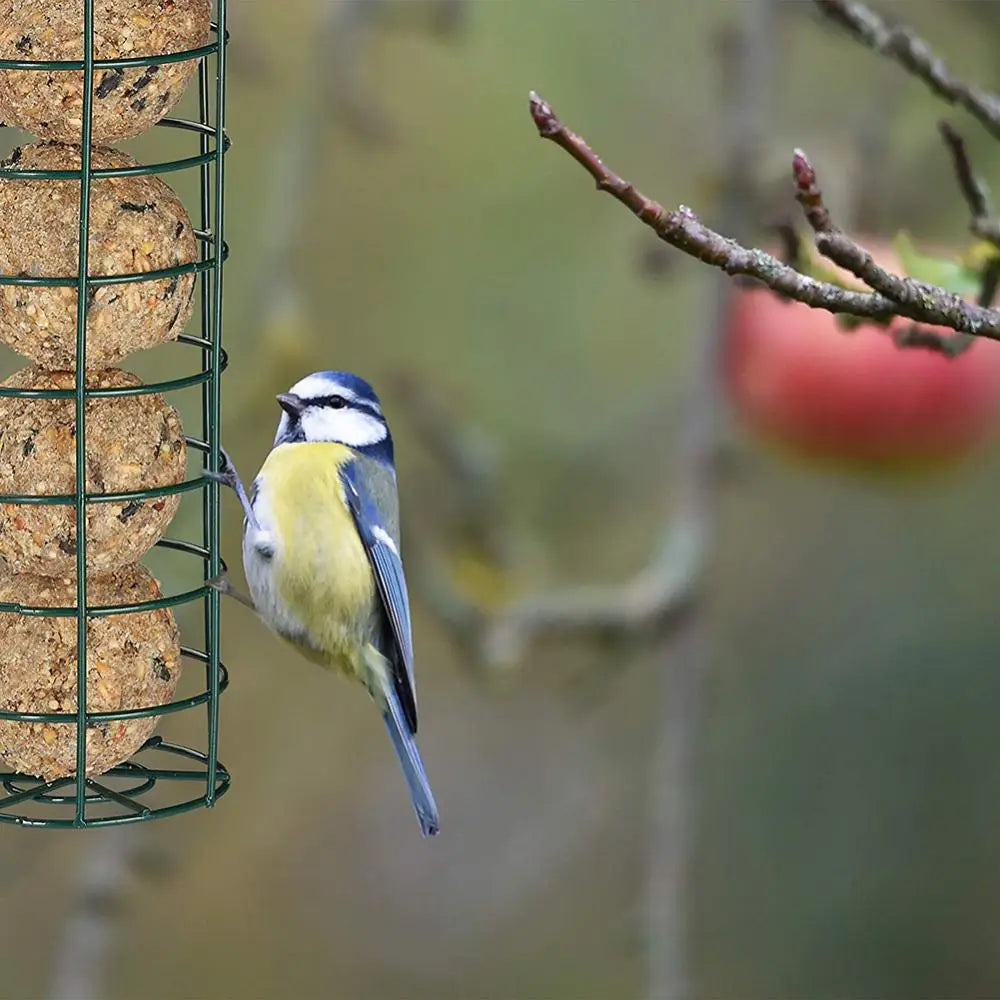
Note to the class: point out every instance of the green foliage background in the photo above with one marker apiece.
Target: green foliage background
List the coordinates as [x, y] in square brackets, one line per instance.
[846, 825]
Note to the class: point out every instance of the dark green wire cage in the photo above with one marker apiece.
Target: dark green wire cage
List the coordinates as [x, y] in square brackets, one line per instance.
[162, 778]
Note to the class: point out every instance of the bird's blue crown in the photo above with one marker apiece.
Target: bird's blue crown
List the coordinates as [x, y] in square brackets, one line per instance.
[362, 391]
[335, 406]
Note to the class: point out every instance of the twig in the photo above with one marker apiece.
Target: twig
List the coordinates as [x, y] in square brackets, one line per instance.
[991, 281]
[681, 228]
[906, 47]
[649, 601]
[984, 222]
[841, 249]
[652, 598]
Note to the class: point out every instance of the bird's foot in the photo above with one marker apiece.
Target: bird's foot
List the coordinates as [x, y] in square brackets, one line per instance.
[228, 476]
[227, 588]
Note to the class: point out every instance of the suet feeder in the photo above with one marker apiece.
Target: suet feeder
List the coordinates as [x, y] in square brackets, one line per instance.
[129, 97]
[78, 703]
[136, 224]
[37, 455]
[134, 662]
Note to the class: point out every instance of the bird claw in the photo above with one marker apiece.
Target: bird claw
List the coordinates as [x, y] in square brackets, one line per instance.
[228, 476]
[227, 588]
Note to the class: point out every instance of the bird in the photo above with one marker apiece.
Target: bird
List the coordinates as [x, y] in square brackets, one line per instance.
[321, 552]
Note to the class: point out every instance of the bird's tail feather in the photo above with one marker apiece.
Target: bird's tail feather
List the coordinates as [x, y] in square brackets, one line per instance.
[413, 767]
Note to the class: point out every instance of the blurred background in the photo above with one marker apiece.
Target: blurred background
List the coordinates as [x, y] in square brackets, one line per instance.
[392, 211]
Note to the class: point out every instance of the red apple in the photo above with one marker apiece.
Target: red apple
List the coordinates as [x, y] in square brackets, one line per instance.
[854, 397]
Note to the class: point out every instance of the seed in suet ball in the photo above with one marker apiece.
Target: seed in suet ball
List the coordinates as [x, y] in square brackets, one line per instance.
[133, 661]
[133, 443]
[136, 225]
[127, 101]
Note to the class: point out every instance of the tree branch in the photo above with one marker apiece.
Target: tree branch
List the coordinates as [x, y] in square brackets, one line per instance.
[832, 242]
[681, 228]
[984, 222]
[906, 47]
[653, 598]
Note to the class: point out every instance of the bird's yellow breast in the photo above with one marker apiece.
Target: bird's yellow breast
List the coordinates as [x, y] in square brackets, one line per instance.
[321, 570]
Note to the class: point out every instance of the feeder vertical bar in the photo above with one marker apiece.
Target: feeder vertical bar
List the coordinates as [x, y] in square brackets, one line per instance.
[82, 288]
[204, 178]
[205, 280]
[214, 408]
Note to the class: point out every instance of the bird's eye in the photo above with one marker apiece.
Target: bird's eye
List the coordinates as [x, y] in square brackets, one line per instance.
[337, 402]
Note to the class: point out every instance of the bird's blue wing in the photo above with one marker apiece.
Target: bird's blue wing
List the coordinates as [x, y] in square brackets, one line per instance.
[387, 568]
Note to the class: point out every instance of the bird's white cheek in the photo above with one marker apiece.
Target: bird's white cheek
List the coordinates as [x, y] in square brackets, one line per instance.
[354, 428]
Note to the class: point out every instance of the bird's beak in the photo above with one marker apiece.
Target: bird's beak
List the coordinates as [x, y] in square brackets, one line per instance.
[290, 403]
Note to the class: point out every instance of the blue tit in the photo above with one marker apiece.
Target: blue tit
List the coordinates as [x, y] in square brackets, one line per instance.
[321, 552]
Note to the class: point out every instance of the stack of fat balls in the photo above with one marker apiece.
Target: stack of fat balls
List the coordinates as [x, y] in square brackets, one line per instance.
[135, 442]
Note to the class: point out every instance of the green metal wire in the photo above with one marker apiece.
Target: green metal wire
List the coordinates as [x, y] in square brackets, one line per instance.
[195, 267]
[81, 416]
[132, 62]
[149, 776]
[212, 407]
[120, 795]
[169, 385]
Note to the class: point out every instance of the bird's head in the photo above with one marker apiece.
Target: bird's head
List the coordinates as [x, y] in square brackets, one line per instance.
[337, 407]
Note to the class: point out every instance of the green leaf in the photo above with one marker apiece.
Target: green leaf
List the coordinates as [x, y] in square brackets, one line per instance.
[952, 275]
